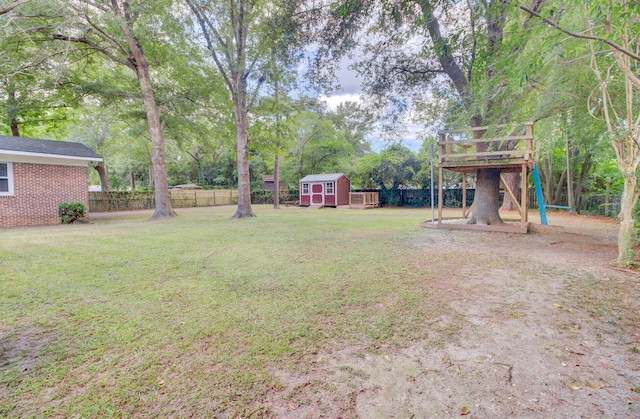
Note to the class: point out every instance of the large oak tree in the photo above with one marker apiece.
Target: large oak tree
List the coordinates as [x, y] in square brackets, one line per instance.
[122, 30]
[447, 47]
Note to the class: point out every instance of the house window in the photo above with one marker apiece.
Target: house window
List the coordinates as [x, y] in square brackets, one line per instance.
[329, 188]
[6, 179]
[305, 189]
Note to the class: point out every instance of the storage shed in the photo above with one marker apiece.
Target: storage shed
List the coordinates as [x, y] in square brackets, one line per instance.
[37, 175]
[329, 190]
[269, 182]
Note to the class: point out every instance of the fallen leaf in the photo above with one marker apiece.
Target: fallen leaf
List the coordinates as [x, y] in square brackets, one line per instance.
[291, 406]
[557, 305]
[319, 360]
[464, 411]
[458, 370]
[595, 385]
[514, 314]
[573, 387]
[477, 361]
[160, 382]
[387, 357]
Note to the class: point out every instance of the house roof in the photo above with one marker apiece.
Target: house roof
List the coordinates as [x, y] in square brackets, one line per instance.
[31, 146]
[327, 177]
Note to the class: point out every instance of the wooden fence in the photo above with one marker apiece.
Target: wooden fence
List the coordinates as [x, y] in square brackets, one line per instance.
[124, 201]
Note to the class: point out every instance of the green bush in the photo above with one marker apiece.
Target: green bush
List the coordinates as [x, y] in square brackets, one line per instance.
[71, 212]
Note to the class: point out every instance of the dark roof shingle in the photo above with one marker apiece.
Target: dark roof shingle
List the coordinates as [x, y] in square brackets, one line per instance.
[60, 148]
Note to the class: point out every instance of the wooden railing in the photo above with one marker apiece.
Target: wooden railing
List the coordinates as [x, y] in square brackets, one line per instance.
[486, 146]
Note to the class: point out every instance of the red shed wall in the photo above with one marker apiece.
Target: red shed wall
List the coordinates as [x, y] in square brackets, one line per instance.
[305, 200]
[343, 187]
[329, 200]
[38, 189]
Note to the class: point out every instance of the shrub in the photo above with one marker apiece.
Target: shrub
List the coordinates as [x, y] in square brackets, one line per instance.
[71, 212]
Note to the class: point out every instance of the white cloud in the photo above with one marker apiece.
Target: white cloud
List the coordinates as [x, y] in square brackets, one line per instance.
[335, 100]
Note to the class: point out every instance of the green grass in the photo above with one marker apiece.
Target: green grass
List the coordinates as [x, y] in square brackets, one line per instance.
[192, 315]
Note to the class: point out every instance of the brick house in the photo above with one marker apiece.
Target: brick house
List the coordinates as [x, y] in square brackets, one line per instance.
[37, 175]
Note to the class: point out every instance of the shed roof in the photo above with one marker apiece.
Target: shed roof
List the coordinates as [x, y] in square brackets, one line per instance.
[31, 146]
[327, 177]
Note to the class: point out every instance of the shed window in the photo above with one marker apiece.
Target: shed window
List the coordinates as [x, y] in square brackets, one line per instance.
[329, 188]
[305, 189]
[6, 179]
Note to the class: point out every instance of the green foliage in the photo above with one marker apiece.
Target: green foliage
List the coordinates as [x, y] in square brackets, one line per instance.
[394, 166]
[71, 212]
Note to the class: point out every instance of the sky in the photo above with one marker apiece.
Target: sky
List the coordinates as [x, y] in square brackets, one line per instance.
[351, 91]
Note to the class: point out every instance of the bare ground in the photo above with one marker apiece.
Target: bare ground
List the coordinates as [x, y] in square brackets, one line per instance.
[537, 325]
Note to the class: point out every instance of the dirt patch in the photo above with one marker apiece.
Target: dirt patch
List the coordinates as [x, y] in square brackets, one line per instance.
[538, 325]
[20, 352]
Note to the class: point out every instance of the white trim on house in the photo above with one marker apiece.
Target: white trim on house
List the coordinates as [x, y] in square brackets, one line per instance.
[9, 178]
[37, 158]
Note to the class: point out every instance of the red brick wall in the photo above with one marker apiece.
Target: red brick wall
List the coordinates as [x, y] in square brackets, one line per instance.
[38, 189]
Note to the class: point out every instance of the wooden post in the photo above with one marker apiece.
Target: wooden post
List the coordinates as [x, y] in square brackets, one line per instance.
[439, 195]
[529, 142]
[464, 195]
[524, 195]
[569, 177]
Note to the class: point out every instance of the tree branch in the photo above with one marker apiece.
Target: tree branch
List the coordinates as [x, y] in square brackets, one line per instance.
[205, 25]
[420, 72]
[106, 36]
[445, 56]
[11, 6]
[103, 50]
[582, 36]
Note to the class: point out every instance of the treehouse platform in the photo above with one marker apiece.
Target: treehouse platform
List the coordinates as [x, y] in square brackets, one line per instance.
[508, 148]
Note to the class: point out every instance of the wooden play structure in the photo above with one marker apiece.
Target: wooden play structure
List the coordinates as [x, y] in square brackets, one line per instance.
[364, 200]
[505, 147]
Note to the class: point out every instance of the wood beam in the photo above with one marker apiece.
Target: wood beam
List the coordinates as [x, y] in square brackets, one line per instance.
[511, 195]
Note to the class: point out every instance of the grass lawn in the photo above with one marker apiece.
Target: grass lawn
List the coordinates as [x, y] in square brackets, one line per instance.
[130, 318]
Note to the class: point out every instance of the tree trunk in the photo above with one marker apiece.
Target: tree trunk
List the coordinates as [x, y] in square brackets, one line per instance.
[12, 110]
[15, 130]
[487, 198]
[276, 181]
[570, 196]
[627, 203]
[244, 181]
[513, 181]
[104, 180]
[587, 164]
[559, 188]
[200, 170]
[276, 158]
[164, 208]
